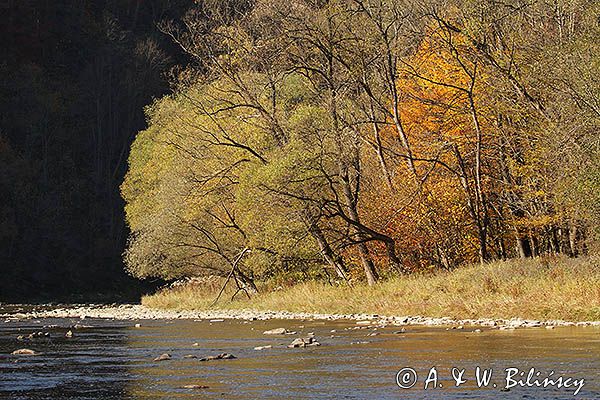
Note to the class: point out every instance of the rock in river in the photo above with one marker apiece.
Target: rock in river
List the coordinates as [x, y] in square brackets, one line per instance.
[304, 342]
[222, 356]
[163, 357]
[195, 387]
[276, 331]
[24, 352]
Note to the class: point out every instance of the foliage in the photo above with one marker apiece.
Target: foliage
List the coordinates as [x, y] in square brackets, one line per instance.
[358, 138]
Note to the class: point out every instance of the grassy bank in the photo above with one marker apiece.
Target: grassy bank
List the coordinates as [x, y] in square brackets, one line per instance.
[567, 289]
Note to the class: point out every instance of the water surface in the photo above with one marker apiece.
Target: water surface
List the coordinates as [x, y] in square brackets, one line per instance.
[114, 360]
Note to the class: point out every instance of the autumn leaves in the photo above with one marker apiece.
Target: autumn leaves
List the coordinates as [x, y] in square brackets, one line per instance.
[352, 140]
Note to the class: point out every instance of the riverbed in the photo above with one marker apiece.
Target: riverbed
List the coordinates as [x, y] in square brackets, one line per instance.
[115, 359]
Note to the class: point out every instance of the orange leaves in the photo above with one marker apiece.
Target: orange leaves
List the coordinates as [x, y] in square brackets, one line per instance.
[435, 102]
[433, 221]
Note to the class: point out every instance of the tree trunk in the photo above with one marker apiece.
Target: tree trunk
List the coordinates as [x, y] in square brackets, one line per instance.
[367, 263]
[395, 262]
[483, 253]
[363, 250]
[533, 244]
[443, 257]
[523, 247]
[554, 242]
[334, 260]
[573, 239]
[379, 149]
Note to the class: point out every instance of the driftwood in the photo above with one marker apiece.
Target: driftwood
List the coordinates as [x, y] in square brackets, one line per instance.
[232, 274]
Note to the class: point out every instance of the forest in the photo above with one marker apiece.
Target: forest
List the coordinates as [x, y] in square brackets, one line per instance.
[358, 140]
[74, 78]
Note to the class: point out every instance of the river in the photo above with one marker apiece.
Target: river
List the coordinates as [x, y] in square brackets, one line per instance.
[106, 359]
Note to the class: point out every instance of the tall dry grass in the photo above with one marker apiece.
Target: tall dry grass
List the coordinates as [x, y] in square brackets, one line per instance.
[559, 288]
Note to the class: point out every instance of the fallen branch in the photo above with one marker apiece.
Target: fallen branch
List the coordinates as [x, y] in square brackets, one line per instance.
[231, 274]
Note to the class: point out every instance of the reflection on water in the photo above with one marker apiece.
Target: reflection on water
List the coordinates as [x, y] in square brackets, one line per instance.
[114, 359]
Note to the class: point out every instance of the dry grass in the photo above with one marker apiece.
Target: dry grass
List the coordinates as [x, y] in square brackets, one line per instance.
[561, 288]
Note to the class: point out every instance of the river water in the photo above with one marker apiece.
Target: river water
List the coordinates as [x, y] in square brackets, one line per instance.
[108, 359]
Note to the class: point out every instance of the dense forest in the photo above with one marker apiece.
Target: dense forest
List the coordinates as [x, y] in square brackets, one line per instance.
[359, 139]
[74, 78]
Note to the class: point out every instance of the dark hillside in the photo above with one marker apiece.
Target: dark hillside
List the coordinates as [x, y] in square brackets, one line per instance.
[74, 79]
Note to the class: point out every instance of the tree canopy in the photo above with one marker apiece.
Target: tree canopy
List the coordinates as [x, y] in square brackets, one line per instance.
[354, 139]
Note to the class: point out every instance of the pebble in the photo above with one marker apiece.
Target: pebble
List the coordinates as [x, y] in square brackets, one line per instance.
[139, 312]
[507, 328]
[263, 347]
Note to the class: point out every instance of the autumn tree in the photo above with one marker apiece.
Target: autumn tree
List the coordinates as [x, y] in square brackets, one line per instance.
[367, 135]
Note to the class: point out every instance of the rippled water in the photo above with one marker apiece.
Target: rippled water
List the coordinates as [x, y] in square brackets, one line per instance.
[114, 360]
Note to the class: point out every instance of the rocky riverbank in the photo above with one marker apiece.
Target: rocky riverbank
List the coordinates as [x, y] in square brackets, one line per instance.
[140, 312]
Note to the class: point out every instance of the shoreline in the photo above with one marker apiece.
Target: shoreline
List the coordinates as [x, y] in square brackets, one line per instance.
[139, 312]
